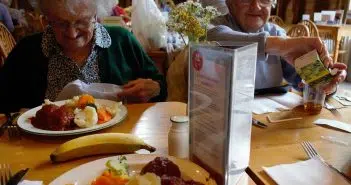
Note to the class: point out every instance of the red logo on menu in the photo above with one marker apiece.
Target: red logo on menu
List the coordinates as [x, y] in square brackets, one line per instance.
[197, 60]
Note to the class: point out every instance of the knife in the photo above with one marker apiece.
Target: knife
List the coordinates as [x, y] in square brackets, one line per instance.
[258, 123]
[14, 180]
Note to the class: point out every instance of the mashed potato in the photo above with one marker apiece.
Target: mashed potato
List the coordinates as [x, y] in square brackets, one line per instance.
[85, 118]
[148, 178]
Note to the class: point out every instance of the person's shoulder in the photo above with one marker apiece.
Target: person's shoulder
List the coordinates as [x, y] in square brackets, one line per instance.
[274, 30]
[117, 32]
[220, 20]
[2, 6]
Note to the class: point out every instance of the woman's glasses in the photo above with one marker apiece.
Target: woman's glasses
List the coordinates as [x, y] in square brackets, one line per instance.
[262, 3]
[79, 24]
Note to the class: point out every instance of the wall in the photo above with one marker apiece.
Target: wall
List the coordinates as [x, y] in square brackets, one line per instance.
[291, 10]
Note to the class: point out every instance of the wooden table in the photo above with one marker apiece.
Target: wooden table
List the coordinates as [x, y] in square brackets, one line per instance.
[148, 121]
[336, 32]
[280, 143]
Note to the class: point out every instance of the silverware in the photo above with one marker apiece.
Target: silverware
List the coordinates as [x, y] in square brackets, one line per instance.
[312, 153]
[5, 174]
[258, 123]
[12, 129]
[331, 108]
[14, 180]
[9, 120]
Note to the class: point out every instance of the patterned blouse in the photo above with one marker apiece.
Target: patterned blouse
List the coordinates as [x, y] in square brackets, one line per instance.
[63, 70]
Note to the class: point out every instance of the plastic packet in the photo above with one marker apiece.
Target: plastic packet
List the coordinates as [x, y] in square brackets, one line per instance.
[148, 24]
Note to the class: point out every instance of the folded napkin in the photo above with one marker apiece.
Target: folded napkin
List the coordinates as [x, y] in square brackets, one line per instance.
[98, 90]
[27, 182]
[310, 172]
[333, 123]
[275, 103]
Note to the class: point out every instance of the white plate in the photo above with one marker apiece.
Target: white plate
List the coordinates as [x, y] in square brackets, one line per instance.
[86, 173]
[25, 124]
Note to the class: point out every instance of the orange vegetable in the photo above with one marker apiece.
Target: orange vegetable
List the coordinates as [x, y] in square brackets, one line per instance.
[103, 116]
[85, 99]
[108, 179]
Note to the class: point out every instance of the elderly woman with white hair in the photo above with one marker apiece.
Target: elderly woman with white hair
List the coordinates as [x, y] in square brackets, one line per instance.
[247, 20]
[74, 46]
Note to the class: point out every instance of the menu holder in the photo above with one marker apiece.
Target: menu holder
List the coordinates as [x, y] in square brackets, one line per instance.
[221, 91]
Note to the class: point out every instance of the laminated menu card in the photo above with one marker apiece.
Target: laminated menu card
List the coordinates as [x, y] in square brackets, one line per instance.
[221, 90]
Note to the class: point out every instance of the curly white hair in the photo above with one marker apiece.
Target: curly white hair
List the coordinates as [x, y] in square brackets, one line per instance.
[101, 7]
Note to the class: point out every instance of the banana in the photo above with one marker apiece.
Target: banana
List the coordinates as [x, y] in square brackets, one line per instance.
[108, 143]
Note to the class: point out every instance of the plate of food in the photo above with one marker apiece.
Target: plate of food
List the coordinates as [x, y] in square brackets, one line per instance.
[81, 114]
[136, 169]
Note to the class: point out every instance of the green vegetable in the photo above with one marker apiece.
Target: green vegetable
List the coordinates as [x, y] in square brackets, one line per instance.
[92, 105]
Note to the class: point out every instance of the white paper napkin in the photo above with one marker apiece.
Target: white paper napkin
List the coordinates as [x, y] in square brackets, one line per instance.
[97, 90]
[27, 182]
[275, 103]
[310, 172]
[333, 123]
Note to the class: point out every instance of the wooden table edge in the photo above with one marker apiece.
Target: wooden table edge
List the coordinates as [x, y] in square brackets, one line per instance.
[255, 177]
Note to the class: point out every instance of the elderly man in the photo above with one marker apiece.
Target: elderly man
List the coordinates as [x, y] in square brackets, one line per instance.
[247, 21]
[74, 46]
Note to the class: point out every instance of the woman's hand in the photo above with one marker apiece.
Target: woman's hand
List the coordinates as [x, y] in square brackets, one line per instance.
[291, 48]
[140, 90]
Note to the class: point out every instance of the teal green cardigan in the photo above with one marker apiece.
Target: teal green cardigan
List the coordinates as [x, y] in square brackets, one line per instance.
[23, 78]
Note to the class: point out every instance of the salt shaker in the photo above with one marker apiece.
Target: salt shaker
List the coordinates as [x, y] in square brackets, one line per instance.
[178, 137]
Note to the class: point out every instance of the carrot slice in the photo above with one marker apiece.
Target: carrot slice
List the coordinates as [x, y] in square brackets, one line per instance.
[85, 99]
[103, 115]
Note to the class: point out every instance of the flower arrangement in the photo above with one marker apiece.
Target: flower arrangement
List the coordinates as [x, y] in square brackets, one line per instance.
[191, 19]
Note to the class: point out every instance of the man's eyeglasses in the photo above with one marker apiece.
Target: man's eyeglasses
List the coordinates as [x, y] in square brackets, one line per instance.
[80, 24]
[262, 3]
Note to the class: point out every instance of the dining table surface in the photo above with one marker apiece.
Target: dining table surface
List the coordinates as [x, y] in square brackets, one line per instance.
[149, 121]
[279, 143]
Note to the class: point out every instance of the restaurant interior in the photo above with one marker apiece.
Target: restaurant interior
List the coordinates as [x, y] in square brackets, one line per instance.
[168, 92]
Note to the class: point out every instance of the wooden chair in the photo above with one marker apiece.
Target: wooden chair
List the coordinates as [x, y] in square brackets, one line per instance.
[298, 30]
[35, 22]
[7, 43]
[277, 20]
[311, 27]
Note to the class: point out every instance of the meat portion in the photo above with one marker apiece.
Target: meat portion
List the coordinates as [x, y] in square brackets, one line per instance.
[168, 171]
[161, 166]
[53, 117]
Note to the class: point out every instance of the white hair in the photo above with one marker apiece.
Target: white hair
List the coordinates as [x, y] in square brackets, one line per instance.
[105, 8]
[47, 6]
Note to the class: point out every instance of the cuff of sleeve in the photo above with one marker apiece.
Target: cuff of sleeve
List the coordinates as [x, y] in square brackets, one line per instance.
[261, 54]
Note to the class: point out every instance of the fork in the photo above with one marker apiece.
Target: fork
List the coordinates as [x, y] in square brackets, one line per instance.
[331, 108]
[312, 153]
[310, 150]
[14, 132]
[5, 173]
[12, 129]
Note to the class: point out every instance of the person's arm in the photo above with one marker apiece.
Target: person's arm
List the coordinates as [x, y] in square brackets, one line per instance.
[7, 18]
[148, 69]
[225, 33]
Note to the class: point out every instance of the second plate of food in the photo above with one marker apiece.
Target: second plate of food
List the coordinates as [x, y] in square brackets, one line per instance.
[24, 121]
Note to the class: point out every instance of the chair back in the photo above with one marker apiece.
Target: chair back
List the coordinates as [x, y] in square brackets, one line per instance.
[7, 43]
[35, 22]
[298, 30]
[277, 20]
[311, 27]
